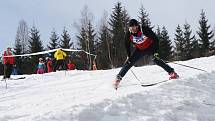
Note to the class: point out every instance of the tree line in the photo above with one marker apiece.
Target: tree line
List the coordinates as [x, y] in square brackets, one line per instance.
[108, 41]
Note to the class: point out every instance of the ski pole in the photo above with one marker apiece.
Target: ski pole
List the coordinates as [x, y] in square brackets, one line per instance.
[136, 76]
[187, 66]
[133, 72]
[6, 83]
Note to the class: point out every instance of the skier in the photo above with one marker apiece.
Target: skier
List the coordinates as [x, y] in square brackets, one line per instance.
[8, 63]
[60, 56]
[146, 43]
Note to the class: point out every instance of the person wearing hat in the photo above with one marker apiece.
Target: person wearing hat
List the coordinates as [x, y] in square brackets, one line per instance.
[41, 66]
[8, 61]
[49, 64]
[145, 42]
[60, 57]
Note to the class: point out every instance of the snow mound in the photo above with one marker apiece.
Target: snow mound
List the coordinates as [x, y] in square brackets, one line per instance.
[89, 95]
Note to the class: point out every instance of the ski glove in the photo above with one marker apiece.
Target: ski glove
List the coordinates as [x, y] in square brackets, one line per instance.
[156, 55]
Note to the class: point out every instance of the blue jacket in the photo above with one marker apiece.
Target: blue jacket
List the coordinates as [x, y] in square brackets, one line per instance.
[41, 66]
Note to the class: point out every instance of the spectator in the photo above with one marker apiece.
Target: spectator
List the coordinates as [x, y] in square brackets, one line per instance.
[8, 61]
[60, 56]
[14, 70]
[41, 66]
[94, 65]
[70, 65]
[49, 65]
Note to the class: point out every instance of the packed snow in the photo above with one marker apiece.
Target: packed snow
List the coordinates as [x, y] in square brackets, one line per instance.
[89, 95]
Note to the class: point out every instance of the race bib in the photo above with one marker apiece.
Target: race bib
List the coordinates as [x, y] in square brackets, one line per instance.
[138, 40]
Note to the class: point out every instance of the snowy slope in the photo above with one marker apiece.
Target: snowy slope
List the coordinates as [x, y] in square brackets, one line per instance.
[89, 96]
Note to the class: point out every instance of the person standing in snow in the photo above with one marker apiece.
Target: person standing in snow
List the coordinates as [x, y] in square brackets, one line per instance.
[41, 67]
[60, 57]
[14, 70]
[49, 65]
[8, 61]
[71, 65]
[94, 65]
[145, 42]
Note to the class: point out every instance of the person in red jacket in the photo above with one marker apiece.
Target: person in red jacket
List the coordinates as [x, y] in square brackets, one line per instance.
[145, 42]
[8, 61]
[49, 65]
[70, 65]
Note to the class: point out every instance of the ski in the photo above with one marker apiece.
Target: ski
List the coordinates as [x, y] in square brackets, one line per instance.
[145, 84]
[17, 78]
[152, 84]
[13, 78]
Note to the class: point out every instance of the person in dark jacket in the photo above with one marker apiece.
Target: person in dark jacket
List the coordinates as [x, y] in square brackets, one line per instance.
[145, 42]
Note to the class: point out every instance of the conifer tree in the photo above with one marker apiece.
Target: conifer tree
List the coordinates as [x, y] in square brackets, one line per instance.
[165, 48]
[82, 45]
[126, 19]
[18, 51]
[18, 47]
[184, 43]
[82, 37]
[144, 17]
[103, 49]
[145, 21]
[116, 21]
[180, 44]
[35, 45]
[212, 46]
[195, 50]
[65, 41]
[158, 32]
[35, 42]
[205, 35]
[188, 38]
[53, 44]
[103, 46]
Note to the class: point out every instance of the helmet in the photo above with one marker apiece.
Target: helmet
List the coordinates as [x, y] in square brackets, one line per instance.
[133, 22]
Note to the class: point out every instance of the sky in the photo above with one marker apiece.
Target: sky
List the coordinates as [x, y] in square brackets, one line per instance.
[89, 95]
[49, 14]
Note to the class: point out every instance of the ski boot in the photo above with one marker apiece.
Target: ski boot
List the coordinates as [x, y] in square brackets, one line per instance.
[117, 81]
[173, 75]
